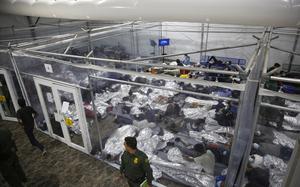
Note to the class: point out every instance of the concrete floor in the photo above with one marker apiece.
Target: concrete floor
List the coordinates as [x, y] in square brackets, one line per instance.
[63, 166]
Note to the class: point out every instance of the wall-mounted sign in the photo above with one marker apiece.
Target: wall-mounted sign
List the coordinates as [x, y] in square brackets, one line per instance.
[49, 97]
[48, 68]
[65, 107]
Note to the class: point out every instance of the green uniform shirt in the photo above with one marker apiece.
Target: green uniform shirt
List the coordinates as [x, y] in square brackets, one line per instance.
[136, 166]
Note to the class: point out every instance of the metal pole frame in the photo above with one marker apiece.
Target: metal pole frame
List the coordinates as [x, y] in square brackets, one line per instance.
[211, 31]
[252, 59]
[247, 117]
[284, 79]
[137, 48]
[70, 44]
[132, 41]
[95, 111]
[270, 93]
[206, 39]
[294, 49]
[286, 33]
[280, 107]
[221, 27]
[283, 50]
[146, 85]
[201, 43]
[132, 62]
[231, 86]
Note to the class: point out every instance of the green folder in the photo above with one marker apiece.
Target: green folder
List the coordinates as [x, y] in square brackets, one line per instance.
[144, 184]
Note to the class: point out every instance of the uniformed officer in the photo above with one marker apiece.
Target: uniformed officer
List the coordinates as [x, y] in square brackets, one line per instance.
[10, 168]
[135, 164]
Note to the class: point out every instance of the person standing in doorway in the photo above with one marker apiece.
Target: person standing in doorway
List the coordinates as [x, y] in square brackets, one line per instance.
[10, 167]
[135, 165]
[25, 117]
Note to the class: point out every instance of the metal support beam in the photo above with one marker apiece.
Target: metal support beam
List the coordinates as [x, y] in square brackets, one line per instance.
[280, 107]
[270, 93]
[36, 21]
[132, 42]
[90, 53]
[90, 48]
[201, 42]
[275, 37]
[287, 51]
[136, 36]
[271, 72]
[247, 116]
[252, 59]
[240, 69]
[90, 44]
[131, 62]
[116, 26]
[70, 44]
[284, 79]
[162, 30]
[294, 50]
[133, 73]
[210, 31]
[206, 39]
[95, 111]
[256, 37]
[45, 26]
[287, 33]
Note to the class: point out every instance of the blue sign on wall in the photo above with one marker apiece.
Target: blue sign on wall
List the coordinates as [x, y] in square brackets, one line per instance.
[164, 42]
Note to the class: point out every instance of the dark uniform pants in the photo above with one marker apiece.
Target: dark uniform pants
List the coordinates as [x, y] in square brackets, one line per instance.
[135, 183]
[12, 172]
[32, 139]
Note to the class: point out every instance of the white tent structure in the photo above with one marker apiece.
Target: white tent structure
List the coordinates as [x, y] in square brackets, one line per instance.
[61, 58]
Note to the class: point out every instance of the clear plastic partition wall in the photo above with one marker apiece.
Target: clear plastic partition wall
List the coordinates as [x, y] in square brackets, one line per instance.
[5, 59]
[174, 119]
[274, 140]
[39, 66]
[174, 122]
[35, 102]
